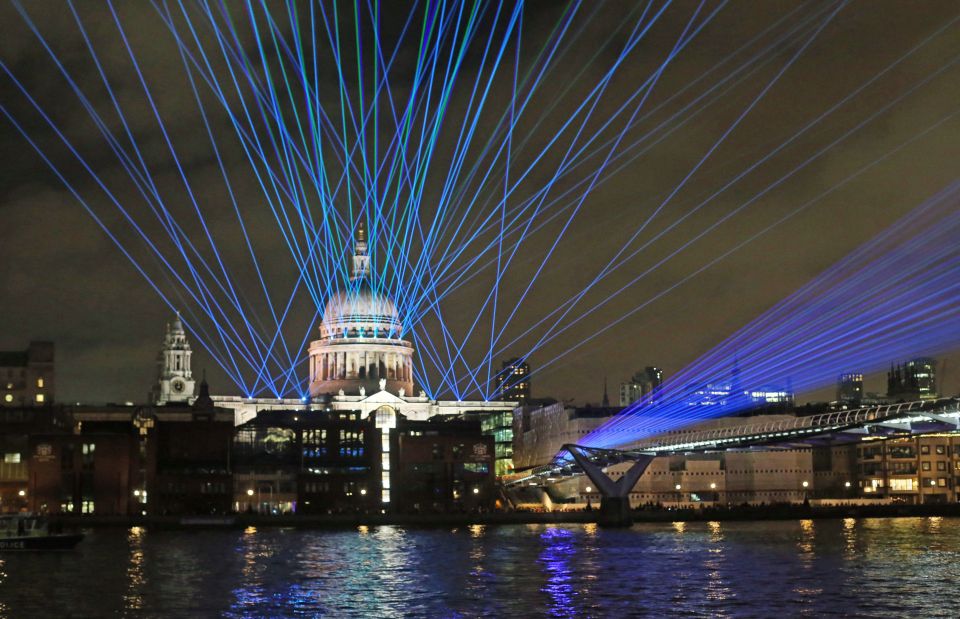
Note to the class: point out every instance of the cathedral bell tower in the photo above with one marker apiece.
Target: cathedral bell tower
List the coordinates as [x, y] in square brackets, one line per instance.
[176, 382]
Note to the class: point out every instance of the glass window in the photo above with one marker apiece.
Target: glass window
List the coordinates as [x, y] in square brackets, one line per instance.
[925, 466]
[941, 450]
[903, 451]
[941, 466]
[901, 484]
[11, 458]
[40, 382]
[39, 397]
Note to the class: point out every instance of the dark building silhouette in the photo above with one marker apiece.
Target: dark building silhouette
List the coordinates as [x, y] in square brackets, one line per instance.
[850, 388]
[442, 466]
[322, 462]
[313, 462]
[126, 460]
[914, 380]
[27, 376]
[642, 385]
[513, 381]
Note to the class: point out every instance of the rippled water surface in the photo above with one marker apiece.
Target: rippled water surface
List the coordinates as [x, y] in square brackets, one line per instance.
[896, 567]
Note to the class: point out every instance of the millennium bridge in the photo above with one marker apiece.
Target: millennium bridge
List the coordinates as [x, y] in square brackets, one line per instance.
[886, 420]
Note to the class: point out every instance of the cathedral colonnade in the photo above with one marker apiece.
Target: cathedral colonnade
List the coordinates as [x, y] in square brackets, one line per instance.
[359, 365]
[338, 364]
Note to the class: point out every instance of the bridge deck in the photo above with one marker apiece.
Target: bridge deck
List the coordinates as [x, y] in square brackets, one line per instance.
[839, 426]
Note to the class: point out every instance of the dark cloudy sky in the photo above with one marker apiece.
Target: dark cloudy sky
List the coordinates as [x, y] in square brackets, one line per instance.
[62, 279]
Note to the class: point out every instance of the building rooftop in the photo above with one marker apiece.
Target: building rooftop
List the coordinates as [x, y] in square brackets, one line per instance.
[13, 358]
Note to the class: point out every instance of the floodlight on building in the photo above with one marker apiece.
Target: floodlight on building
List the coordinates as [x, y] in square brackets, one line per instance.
[22, 493]
[476, 490]
[713, 486]
[249, 491]
[677, 487]
[846, 484]
[136, 493]
[588, 489]
[363, 491]
[805, 484]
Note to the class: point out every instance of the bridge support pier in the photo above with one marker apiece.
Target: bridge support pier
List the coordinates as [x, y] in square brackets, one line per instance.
[614, 495]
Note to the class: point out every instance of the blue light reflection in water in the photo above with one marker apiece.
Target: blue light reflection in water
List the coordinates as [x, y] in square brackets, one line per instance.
[895, 567]
[559, 550]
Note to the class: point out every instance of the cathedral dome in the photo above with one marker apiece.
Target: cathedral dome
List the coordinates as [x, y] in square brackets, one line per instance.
[360, 347]
[360, 311]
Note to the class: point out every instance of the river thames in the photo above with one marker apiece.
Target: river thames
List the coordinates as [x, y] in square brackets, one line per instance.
[868, 567]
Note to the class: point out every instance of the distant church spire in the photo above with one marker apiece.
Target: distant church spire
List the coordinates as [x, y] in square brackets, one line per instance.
[361, 261]
[203, 401]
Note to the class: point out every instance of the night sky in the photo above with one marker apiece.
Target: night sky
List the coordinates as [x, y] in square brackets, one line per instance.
[62, 279]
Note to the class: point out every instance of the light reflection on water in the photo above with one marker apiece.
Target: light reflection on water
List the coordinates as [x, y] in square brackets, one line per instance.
[902, 567]
[133, 597]
[558, 552]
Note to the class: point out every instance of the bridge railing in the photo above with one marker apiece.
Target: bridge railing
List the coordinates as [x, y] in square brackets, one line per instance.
[831, 420]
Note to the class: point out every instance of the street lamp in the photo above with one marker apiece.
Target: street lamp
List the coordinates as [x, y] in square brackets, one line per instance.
[22, 493]
[249, 491]
[363, 491]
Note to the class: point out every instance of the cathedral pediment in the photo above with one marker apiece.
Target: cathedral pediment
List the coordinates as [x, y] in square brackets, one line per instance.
[383, 397]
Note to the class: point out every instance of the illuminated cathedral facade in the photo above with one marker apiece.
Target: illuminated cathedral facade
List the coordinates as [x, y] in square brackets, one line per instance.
[359, 363]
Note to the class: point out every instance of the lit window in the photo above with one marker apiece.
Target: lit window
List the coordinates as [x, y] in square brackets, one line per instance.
[39, 397]
[9, 385]
[11, 458]
[40, 382]
[901, 484]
